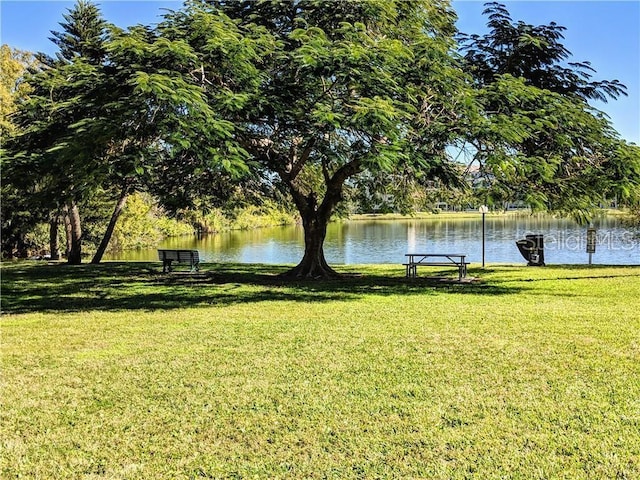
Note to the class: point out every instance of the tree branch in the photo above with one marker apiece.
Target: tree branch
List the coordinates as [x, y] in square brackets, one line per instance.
[335, 186]
[297, 166]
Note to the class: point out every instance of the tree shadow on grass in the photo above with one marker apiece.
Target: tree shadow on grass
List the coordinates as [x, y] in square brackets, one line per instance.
[571, 272]
[30, 288]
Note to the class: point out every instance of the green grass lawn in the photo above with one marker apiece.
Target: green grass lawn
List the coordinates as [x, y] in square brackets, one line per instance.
[119, 371]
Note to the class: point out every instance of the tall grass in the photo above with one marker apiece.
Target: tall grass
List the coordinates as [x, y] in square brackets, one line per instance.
[122, 372]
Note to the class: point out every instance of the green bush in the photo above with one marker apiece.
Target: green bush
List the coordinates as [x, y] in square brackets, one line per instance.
[143, 224]
[214, 221]
[170, 227]
[136, 227]
[39, 238]
[268, 214]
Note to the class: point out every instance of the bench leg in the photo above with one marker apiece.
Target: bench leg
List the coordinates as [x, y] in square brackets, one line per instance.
[166, 266]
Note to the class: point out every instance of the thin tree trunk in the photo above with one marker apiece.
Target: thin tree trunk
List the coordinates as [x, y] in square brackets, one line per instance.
[112, 225]
[22, 247]
[75, 251]
[67, 230]
[54, 247]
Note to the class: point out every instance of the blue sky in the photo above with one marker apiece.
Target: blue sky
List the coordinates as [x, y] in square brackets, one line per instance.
[606, 33]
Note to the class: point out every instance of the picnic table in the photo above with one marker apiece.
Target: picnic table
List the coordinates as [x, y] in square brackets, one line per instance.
[414, 260]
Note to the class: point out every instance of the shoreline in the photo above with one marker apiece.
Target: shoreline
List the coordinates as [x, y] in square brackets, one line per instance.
[467, 214]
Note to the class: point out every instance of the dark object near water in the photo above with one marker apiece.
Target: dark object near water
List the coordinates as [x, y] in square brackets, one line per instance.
[532, 249]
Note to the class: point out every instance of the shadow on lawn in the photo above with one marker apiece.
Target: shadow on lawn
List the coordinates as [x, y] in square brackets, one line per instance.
[28, 287]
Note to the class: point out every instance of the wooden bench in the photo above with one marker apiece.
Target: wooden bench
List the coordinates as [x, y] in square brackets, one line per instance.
[192, 257]
[414, 260]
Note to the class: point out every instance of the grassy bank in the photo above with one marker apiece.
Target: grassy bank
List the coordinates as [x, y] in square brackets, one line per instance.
[118, 371]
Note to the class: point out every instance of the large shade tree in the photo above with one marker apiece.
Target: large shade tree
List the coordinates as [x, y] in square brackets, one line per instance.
[360, 86]
[310, 99]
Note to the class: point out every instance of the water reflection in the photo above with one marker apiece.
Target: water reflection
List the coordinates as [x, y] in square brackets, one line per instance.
[386, 241]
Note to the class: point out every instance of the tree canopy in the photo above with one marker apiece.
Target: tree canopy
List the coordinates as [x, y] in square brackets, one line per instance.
[110, 111]
[534, 53]
[363, 86]
[540, 140]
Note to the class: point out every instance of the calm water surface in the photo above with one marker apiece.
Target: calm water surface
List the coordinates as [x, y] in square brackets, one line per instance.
[386, 241]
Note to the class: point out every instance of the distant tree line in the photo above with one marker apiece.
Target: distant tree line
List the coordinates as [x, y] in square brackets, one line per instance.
[313, 108]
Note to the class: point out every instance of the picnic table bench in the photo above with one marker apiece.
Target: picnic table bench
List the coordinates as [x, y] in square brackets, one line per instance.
[192, 257]
[414, 260]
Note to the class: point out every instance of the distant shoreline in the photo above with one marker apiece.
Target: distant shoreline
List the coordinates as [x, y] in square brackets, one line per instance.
[461, 215]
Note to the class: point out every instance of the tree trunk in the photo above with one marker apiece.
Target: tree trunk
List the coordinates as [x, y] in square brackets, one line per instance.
[67, 230]
[75, 251]
[313, 263]
[54, 248]
[21, 246]
[315, 218]
[112, 225]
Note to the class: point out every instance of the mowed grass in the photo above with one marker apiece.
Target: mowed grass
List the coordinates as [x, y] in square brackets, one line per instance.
[118, 371]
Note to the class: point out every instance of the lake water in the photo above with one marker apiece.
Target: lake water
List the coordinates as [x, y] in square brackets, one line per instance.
[386, 241]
